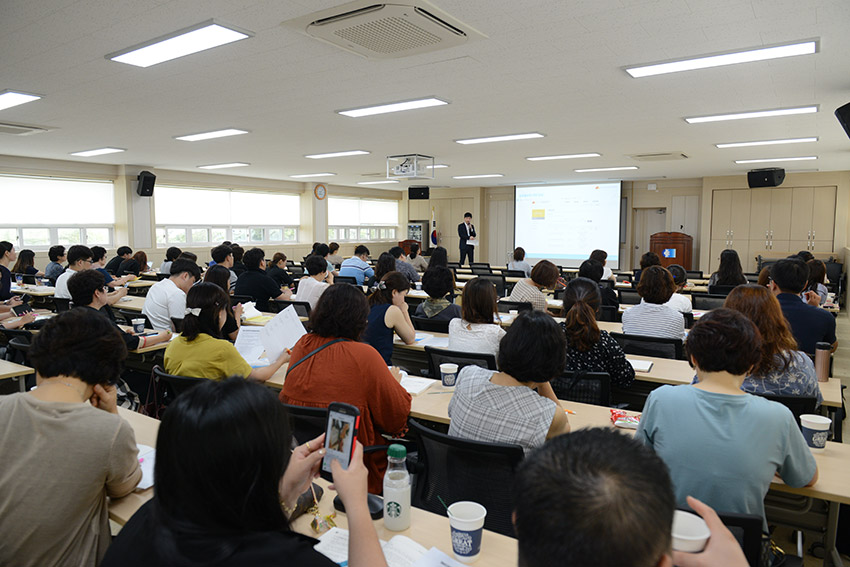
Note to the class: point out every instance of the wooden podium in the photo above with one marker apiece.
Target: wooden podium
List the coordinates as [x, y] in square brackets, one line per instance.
[673, 248]
[405, 245]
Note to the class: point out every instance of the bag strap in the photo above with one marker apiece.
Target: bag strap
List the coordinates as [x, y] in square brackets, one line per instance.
[314, 351]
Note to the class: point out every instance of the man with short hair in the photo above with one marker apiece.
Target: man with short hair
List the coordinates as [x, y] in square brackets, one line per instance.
[357, 266]
[324, 251]
[79, 258]
[402, 265]
[255, 283]
[311, 288]
[593, 270]
[809, 325]
[238, 266]
[166, 299]
[601, 256]
[123, 253]
[98, 258]
[223, 255]
[57, 257]
[466, 232]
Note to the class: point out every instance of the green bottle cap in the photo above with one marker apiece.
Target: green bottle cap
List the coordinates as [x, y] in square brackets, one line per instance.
[397, 451]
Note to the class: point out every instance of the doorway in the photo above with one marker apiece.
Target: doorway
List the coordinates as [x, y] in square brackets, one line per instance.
[646, 223]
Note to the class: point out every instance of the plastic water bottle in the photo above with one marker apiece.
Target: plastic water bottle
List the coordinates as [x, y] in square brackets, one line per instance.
[396, 490]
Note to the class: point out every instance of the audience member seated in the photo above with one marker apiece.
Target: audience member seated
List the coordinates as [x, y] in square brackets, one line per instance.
[588, 348]
[601, 256]
[170, 255]
[515, 405]
[255, 283]
[438, 283]
[98, 259]
[805, 255]
[26, 264]
[416, 260]
[764, 276]
[678, 301]
[816, 283]
[477, 330]
[439, 257]
[135, 265]
[730, 271]
[166, 299]
[65, 449]
[54, 269]
[323, 251]
[186, 255]
[79, 258]
[617, 499]
[238, 266]
[652, 318]
[647, 260]
[783, 370]
[310, 288]
[384, 265]
[277, 271]
[333, 254]
[519, 263]
[402, 266]
[544, 275]
[220, 276]
[223, 255]
[6, 313]
[123, 253]
[810, 325]
[207, 510]
[357, 267]
[330, 364]
[721, 444]
[388, 315]
[7, 257]
[200, 351]
[593, 270]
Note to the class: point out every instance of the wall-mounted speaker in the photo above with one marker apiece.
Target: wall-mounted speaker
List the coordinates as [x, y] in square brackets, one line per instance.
[770, 177]
[418, 192]
[146, 183]
[843, 115]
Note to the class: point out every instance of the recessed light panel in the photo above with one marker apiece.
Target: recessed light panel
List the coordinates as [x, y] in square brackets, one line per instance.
[210, 135]
[392, 107]
[436, 166]
[565, 156]
[479, 176]
[10, 98]
[773, 160]
[766, 143]
[377, 182]
[606, 169]
[338, 154]
[754, 114]
[98, 152]
[224, 165]
[507, 138]
[305, 175]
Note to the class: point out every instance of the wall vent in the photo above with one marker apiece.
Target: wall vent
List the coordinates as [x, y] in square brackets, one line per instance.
[21, 129]
[659, 156]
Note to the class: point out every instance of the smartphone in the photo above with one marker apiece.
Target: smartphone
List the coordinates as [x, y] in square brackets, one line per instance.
[21, 310]
[340, 434]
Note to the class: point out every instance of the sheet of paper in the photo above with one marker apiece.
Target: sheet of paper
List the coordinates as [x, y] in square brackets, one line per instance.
[416, 385]
[401, 551]
[436, 558]
[281, 333]
[437, 342]
[333, 544]
[147, 459]
[250, 346]
[472, 242]
[423, 336]
[640, 365]
[249, 310]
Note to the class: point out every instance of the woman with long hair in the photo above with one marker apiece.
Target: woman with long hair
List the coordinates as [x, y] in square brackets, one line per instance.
[277, 270]
[135, 264]
[416, 260]
[220, 276]
[7, 257]
[26, 264]
[439, 257]
[816, 283]
[477, 329]
[730, 271]
[519, 263]
[170, 255]
[388, 315]
[782, 370]
[588, 348]
[385, 265]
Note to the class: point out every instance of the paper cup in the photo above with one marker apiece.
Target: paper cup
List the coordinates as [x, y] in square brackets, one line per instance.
[448, 374]
[138, 326]
[815, 431]
[418, 285]
[467, 525]
[513, 312]
[690, 532]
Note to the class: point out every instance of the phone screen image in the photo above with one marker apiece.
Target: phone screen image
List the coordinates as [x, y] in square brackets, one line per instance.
[339, 439]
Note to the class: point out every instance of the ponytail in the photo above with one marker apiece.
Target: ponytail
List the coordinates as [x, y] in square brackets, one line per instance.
[580, 326]
[382, 291]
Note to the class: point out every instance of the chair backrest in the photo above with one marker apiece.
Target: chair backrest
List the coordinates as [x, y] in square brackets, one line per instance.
[433, 325]
[234, 299]
[306, 423]
[160, 277]
[628, 296]
[695, 274]
[481, 271]
[453, 265]
[176, 384]
[833, 271]
[297, 271]
[28, 279]
[513, 273]
[585, 387]
[609, 313]
[504, 306]
[689, 320]
[130, 315]
[62, 304]
[752, 278]
[723, 290]
[178, 324]
[747, 529]
[497, 280]
[302, 308]
[438, 356]
[458, 469]
[707, 302]
[798, 405]
[345, 279]
[650, 346]
[606, 283]
[483, 265]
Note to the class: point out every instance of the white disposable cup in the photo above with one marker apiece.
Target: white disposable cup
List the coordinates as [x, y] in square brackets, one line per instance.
[513, 312]
[418, 285]
[467, 526]
[138, 325]
[448, 374]
[815, 431]
[690, 532]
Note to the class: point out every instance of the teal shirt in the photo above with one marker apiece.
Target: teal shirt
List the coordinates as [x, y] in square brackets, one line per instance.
[724, 449]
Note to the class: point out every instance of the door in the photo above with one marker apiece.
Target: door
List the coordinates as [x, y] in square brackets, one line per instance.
[646, 223]
[739, 219]
[721, 204]
[500, 227]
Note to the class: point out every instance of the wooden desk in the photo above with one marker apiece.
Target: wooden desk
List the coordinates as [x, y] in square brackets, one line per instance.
[130, 303]
[12, 370]
[141, 283]
[145, 428]
[34, 290]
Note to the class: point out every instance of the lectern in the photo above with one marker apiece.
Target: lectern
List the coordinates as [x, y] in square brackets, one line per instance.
[673, 248]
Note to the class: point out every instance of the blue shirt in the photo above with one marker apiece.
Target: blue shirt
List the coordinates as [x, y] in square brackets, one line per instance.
[53, 270]
[809, 325]
[356, 268]
[107, 277]
[723, 448]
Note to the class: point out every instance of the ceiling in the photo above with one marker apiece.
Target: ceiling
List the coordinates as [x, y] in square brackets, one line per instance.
[553, 67]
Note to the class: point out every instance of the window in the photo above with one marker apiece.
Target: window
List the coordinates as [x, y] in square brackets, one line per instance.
[70, 211]
[196, 215]
[361, 220]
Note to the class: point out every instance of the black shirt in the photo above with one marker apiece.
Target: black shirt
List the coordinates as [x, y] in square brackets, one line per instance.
[5, 283]
[129, 266]
[258, 285]
[281, 276]
[609, 296]
[132, 341]
[113, 264]
[809, 325]
[142, 541]
[238, 268]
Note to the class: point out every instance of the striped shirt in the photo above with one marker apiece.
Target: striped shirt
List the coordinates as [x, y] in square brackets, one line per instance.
[524, 291]
[654, 320]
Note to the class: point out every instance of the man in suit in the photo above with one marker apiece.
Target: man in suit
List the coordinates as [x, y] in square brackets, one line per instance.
[466, 232]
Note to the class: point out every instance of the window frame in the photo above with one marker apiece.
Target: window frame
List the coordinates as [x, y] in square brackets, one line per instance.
[54, 235]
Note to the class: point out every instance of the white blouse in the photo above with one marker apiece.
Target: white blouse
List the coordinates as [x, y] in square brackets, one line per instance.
[475, 337]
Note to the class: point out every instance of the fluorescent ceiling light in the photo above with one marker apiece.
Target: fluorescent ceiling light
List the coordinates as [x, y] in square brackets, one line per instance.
[706, 62]
[211, 135]
[771, 160]
[565, 156]
[184, 42]
[436, 166]
[392, 107]
[755, 114]
[481, 176]
[376, 182]
[224, 165]
[9, 98]
[766, 143]
[338, 154]
[507, 138]
[606, 169]
[98, 152]
[303, 175]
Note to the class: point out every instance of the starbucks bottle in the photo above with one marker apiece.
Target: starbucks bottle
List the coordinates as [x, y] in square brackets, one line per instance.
[396, 490]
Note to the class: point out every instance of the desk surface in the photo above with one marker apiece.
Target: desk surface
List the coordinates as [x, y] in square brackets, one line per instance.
[130, 303]
[12, 370]
[34, 290]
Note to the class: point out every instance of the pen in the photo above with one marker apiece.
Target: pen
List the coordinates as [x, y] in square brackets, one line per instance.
[571, 412]
[431, 393]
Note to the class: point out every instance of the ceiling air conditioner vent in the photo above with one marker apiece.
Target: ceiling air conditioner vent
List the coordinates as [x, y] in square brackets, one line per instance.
[659, 156]
[20, 129]
[386, 31]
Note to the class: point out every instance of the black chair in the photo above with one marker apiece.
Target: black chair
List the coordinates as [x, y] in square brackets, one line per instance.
[707, 302]
[234, 299]
[752, 278]
[302, 308]
[623, 277]
[798, 405]
[17, 351]
[513, 273]
[609, 313]
[650, 346]
[26, 279]
[585, 387]
[62, 304]
[178, 324]
[689, 320]
[628, 296]
[175, 385]
[128, 317]
[505, 306]
[296, 271]
[723, 290]
[481, 266]
[306, 423]
[160, 277]
[456, 469]
[748, 530]
[694, 274]
[345, 279]
[606, 283]
[497, 280]
[453, 265]
[438, 356]
[432, 325]
[481, 271]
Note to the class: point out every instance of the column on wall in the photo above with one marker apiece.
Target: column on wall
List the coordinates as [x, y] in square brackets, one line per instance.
[134, 222]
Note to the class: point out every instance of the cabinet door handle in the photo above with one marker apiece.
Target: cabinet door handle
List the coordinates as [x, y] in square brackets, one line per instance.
[813, 235]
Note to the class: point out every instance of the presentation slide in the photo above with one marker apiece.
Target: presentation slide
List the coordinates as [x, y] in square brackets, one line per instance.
[565, 223]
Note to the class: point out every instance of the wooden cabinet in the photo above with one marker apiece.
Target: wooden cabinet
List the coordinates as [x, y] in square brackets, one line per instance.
[770, 229]
[730, 220]
[813, 219]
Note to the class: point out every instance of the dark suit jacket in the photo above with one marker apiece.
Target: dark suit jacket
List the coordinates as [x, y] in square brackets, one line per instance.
[461, 232]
